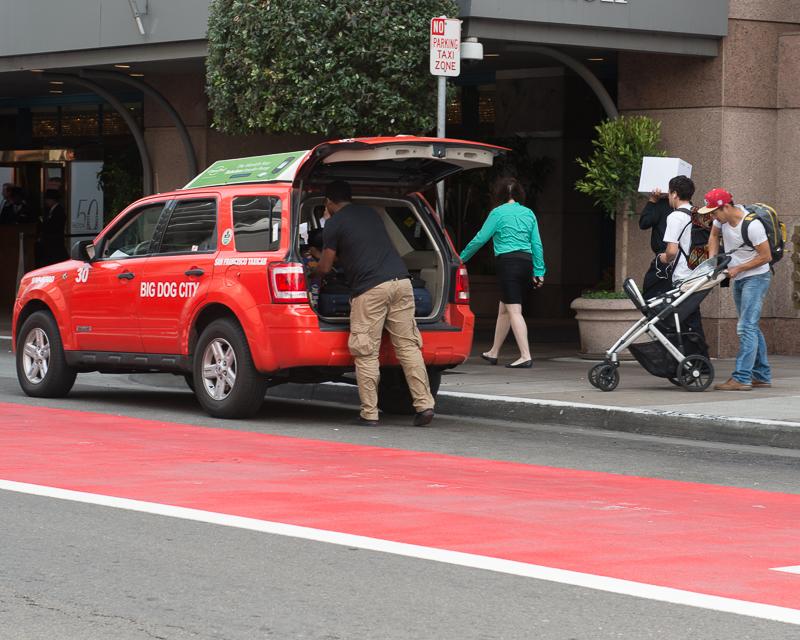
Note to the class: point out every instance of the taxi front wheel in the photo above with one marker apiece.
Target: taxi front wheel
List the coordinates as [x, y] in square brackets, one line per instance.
[42, 369]
[226, 381]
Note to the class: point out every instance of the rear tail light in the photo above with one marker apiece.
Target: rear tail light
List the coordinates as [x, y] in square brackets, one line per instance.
[287, 282]
[462, 286]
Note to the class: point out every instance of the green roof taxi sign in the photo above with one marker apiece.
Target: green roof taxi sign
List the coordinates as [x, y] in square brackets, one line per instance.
[277, 167]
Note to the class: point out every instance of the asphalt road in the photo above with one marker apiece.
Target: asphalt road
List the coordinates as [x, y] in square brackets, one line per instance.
[81, 571]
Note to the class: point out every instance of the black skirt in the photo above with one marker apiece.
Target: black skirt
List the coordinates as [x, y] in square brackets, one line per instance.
[514, 276]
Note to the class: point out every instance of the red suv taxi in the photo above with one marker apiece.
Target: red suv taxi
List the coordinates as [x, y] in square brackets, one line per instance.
[209, 281]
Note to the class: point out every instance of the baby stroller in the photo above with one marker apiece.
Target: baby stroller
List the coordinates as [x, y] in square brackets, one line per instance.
[680, 356]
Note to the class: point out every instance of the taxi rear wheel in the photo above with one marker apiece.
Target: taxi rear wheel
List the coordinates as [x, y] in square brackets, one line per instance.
[42, 368]
[393, 394]
[226, 381]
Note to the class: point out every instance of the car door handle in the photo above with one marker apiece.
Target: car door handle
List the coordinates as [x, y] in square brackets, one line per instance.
[194, 272]
[125, 275]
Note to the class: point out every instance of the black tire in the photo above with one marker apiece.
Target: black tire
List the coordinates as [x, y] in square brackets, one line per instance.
[393, 394]
[593, 372]
[42, 368]
[223, 348]
[189, 379]
[695, 373]
[604, 376]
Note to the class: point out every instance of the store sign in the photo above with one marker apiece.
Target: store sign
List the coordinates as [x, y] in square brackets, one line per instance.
[445, 47]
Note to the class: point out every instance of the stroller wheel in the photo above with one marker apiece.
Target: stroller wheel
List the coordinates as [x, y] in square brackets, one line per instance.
[604, 376]
[675, 381]
[695, 373]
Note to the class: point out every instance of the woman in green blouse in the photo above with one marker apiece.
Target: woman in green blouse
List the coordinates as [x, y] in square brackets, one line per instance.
[513, 229]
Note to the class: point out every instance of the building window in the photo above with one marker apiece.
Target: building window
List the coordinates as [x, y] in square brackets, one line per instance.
[454, 114]
[79, 122]
[45, 122]
[486, 105]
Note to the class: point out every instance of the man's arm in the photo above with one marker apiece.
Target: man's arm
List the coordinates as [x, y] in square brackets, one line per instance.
[763, 256]
[713, 241]
[670, 253]
[651, 214]
[325, 263]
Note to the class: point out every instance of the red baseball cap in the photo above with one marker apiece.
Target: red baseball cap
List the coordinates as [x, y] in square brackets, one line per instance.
[715, 199]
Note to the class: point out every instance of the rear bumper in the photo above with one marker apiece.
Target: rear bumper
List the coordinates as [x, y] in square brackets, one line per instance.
[291, 336]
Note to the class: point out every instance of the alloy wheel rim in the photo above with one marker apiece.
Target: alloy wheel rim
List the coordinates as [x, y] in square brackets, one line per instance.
[36, 356]
[219, 369]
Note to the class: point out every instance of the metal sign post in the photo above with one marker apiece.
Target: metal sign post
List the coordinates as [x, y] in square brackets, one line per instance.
[445, 60]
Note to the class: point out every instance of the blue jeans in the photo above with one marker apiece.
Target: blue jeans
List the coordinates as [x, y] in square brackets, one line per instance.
[751, 361]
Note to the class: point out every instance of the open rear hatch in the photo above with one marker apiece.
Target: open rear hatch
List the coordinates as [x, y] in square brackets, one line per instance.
[403, 164]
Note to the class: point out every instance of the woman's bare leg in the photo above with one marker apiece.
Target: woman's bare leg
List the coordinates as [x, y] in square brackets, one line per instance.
[500, 331]
[520, 329]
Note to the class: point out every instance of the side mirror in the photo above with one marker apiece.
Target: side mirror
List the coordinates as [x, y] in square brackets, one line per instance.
[82, 250]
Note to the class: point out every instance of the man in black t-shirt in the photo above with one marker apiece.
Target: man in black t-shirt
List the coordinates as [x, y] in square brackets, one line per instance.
[654, 217]
[382, 296]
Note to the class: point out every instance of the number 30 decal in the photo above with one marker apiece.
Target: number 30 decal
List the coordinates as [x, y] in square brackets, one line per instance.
[83, 274]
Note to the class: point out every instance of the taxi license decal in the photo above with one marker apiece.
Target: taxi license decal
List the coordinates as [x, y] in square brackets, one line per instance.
[42, 279]
[240, 262]
[168, 289]
[227, 236]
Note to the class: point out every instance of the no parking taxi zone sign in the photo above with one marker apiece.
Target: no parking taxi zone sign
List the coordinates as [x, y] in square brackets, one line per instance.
[445, 57]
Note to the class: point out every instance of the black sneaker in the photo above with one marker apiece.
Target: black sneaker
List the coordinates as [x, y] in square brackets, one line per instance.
[423, 418]
[363, 422]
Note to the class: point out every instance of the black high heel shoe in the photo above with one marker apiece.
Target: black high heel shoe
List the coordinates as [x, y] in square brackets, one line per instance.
[489, 359]
[522, 365]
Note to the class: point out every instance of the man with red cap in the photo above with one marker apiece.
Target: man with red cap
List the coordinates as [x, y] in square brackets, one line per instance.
[750, 278]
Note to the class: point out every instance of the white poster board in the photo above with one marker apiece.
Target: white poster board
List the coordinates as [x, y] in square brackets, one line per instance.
[657, 172]
[85, 200]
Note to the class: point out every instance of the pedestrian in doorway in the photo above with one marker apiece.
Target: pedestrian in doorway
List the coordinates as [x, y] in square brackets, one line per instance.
[22, 212]
[750, 275]
[49, 247]
[514, 231]
[7, 214]
[654, 217]
[382, 297]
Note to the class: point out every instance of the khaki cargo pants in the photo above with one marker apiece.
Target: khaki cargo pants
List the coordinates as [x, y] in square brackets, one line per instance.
[389, 306]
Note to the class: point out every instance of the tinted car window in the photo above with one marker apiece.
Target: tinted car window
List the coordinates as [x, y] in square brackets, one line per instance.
[257, 223]
[135, 237]
[192, 228]
[410, 227]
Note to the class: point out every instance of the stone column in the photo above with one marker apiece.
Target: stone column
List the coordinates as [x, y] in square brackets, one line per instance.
[186, 93]
[786, 289]
[722, 115]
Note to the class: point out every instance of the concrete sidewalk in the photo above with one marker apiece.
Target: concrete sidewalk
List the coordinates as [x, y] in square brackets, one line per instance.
[556, 388]
[556, 391]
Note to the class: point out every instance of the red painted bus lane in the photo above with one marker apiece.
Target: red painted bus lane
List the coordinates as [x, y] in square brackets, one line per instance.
[706, 539]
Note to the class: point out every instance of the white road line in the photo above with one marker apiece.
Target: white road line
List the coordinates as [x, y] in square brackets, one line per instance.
[589, 581]
[789, 569]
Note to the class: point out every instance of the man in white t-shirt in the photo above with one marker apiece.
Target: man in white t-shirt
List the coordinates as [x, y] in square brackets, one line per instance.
[678, 239]
[751, 276]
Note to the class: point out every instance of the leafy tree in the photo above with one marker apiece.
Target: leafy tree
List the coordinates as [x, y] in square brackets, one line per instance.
[335, 67]
[612, 171]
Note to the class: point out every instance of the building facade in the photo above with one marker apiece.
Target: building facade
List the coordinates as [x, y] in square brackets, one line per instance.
[721, 76]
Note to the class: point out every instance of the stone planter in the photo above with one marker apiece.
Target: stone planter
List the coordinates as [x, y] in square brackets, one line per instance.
[601, 322]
